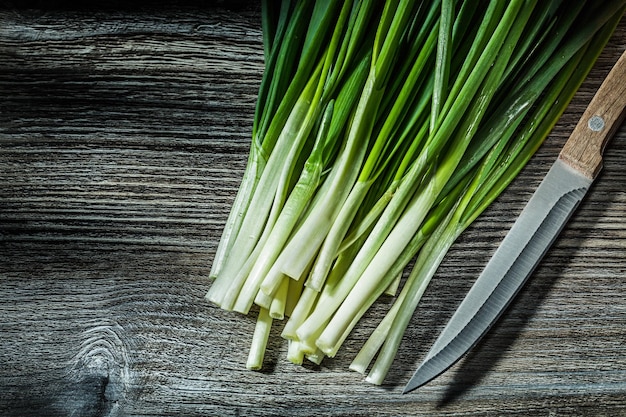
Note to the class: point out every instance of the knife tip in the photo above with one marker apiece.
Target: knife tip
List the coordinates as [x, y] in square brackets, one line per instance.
[420, 378]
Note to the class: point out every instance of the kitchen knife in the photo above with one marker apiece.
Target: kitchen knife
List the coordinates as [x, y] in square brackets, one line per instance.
[535, 230]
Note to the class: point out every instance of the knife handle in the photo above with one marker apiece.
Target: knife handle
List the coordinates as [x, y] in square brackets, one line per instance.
[600, 121]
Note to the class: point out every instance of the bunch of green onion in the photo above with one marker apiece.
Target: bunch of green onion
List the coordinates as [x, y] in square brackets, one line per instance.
[382, 130]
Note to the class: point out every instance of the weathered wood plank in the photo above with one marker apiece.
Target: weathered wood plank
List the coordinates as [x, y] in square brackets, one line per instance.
[123, 137]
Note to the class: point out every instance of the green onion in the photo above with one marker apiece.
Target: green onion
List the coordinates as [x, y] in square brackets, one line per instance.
[382, 131]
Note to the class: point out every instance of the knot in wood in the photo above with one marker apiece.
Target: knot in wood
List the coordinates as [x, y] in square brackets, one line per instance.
[100, 368]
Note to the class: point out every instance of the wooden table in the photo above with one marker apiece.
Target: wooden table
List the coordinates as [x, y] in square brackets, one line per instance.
[124, 132]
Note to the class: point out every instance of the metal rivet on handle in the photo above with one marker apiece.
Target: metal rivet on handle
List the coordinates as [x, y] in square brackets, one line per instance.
[596, 123]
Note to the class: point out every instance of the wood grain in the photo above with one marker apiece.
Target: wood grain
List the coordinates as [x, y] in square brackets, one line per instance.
[123, 136]
[601, 119]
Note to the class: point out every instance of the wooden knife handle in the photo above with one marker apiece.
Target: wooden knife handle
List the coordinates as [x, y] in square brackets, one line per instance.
[583, 150]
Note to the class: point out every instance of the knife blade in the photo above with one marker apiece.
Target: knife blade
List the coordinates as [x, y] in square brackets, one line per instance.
[532, 234]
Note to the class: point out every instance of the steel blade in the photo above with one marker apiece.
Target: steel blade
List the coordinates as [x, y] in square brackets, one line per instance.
[533, 233]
